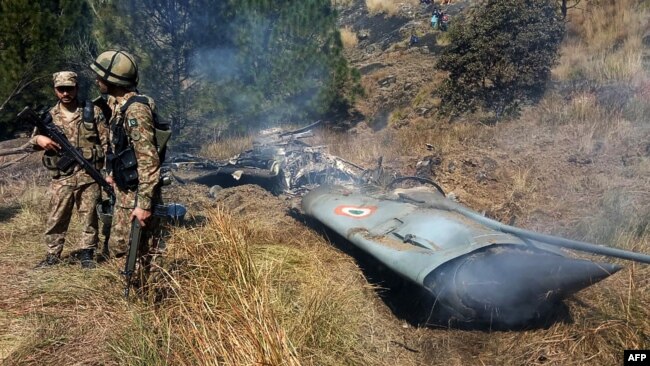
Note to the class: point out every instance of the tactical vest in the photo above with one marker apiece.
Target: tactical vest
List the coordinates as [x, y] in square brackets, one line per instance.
[86, 140]
[122, 160]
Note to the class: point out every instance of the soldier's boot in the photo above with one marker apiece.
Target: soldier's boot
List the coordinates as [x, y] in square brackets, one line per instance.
[50, 260]
[87, 259]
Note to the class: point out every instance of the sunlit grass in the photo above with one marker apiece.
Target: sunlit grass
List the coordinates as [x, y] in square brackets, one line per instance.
[349, 38]
[604, 43]
[390, 7]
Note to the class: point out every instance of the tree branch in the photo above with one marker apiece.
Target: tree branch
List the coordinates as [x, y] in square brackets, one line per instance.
[18, 89]
[26, 148]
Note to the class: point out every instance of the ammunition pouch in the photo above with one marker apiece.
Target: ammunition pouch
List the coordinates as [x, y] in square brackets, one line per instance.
[59, 166]
[94, 155]
[125, 169]
[105, 212]
[98, 157]
[89, 126]
[62, 165]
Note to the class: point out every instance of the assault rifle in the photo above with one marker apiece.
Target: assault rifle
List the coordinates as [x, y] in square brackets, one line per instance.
[132, 257]
[69, 153]
[135, 239]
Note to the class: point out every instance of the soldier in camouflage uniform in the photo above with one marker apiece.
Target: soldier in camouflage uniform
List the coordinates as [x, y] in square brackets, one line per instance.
[72, 187]
[132, 134]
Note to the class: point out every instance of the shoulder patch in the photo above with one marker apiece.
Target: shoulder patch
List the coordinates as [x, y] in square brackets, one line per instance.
[133, 122]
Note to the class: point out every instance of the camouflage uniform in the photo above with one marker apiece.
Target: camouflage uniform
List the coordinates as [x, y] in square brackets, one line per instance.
[75, 187]
[137, 120]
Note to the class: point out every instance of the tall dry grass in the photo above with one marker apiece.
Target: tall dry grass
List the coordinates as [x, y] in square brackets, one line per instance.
[227, 147]
[604, 42]
[393, 144]
[233, 296]
[390, 7]
[349, 37]
[57, 316]
[234, 291]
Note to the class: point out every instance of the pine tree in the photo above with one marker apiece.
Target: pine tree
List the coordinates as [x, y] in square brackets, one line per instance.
[241, 62]
[500, 56]
[290, 65]
[163, 35]
[36, 39]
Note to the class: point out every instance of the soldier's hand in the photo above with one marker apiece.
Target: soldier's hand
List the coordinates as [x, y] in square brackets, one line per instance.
[47, 143]
[141, 215]
[109, 180]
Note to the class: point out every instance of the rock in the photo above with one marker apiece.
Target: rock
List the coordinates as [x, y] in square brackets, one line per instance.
[422, 111]
[489, 164]
[470, 163]
[390, 79]
[451, 167]
[426, 167]
[481, 177]
[579, 160]
[367, 69]
[214, 191]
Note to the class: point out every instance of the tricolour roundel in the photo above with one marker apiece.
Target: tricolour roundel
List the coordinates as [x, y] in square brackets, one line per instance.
[356, 212]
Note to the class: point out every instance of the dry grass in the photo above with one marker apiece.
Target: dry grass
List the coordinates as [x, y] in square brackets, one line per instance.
[523, 185]
[242, 290]
[393, 144]
[638, 108]
[51, 316]
[245, 290]
[227, 147]
[342, 3]
[235, 291]
[240, 293]
[605, 42]
[349, 38]
[390, 7]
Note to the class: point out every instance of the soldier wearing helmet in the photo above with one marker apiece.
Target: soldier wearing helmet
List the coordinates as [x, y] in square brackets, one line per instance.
[70, 185]
[133, 164]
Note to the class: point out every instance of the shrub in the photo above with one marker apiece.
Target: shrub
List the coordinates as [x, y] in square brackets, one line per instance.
[500, 56]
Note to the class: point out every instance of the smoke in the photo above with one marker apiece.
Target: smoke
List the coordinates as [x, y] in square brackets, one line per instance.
[265, 75]
[218, 65]
[248, 65]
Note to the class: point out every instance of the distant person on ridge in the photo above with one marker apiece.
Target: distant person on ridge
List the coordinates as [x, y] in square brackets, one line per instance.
[413, 40]
[436, 17]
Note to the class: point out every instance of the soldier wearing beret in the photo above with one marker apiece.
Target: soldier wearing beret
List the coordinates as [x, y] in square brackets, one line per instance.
[72, 187]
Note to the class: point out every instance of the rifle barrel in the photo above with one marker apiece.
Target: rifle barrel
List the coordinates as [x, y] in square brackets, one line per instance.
[47, 127]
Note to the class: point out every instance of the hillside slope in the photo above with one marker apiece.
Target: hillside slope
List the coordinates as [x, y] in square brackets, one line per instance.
[245, 282]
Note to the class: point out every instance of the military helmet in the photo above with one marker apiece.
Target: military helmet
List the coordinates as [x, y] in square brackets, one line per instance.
[117, 68]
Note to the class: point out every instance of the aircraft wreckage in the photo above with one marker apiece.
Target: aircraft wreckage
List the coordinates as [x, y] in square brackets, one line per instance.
[478, 269]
